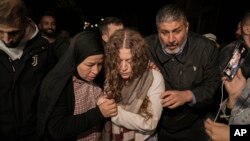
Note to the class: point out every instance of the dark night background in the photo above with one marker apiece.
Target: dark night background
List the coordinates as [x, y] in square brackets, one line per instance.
[205, 16]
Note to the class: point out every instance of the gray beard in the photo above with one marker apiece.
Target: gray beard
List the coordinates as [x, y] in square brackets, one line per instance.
[175, 51]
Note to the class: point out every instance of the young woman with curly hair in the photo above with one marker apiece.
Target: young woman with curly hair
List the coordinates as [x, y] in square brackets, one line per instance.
[134, 86]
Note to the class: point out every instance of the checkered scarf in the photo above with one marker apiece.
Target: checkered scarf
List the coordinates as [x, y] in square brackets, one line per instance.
[86, 95]
[241, 111]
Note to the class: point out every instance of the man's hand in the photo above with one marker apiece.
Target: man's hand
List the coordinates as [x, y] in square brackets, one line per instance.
[172, 99]
[152, 65]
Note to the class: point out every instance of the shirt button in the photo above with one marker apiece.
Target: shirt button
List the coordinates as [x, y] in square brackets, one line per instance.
[180, 72]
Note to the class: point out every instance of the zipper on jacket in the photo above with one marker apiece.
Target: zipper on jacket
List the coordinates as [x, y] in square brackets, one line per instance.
[13, 68]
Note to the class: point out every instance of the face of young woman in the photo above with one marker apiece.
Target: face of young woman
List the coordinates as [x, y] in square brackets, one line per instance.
[125, 68]
[89, 68]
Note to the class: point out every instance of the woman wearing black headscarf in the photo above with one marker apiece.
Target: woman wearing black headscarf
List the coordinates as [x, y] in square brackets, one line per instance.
[67, 106]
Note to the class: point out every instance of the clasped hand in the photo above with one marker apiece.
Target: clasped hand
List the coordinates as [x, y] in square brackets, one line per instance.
[108, 107]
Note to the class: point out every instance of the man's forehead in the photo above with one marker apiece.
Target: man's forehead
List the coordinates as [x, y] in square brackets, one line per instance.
[171, 25]
[10, 27]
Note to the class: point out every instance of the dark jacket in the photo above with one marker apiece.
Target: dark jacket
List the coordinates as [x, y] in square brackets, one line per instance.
[59, 46]
[194, 69]
[19, 88]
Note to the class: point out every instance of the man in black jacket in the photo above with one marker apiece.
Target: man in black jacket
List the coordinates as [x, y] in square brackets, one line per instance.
[24, 61]
[188, 64]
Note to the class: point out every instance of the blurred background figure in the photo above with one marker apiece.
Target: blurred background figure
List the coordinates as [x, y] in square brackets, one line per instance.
[238, 31]
[47, 26]
[48, 29]
[108, 26]
[245, 28]
[64, 35]
[212, 37]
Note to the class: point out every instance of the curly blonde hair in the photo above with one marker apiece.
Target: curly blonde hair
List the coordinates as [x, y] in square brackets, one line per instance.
[130, 39]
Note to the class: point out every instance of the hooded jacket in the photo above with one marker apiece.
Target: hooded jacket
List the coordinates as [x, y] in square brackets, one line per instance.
[21, 75]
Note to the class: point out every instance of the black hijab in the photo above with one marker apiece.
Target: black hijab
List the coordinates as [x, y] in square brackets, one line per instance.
[83, 45]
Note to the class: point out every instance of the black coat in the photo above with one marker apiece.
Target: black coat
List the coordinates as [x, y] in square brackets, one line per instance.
[19, 88]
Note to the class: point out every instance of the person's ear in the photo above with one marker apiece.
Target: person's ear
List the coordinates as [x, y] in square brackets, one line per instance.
[105, 38]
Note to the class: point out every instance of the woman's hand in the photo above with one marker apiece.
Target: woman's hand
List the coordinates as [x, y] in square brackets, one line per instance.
[217, 131]
[108, 107]
[234, 87]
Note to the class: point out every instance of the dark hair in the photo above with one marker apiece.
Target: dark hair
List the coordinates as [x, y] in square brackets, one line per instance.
[170, 13]
[245, 18]
[103, 25]
[48, 13]
[12, 11]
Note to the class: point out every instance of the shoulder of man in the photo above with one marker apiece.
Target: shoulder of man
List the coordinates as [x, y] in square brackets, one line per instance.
[151, 38]
[37, 43]
[201, 42]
